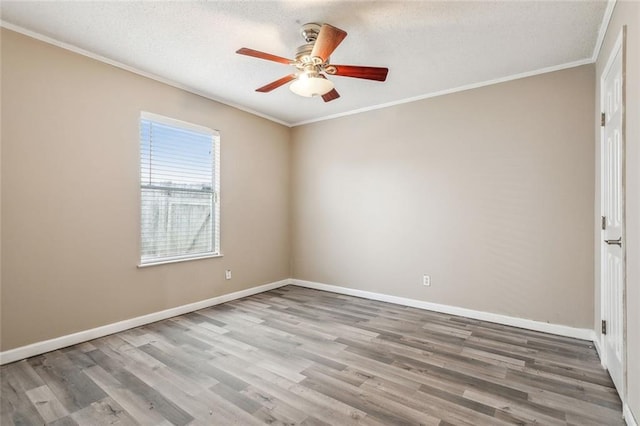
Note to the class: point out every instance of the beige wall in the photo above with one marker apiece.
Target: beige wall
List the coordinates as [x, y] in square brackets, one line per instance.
[626, 13]
[70, 197]
[489, 191]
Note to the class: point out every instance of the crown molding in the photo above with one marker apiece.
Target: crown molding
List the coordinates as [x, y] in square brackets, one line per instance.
[602, 31]
[104, 59]
[450, 91]
[601, 34]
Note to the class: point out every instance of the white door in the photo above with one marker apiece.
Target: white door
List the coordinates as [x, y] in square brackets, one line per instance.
[612, 244]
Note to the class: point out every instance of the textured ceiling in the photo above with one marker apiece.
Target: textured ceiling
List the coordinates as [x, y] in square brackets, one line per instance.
[429, 47]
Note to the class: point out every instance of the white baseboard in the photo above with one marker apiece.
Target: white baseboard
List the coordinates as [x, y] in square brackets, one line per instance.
[94, 333]
[598, 345]
[628, 416]
[561, 330]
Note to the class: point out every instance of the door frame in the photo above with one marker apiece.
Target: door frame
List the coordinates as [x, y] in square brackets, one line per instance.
[619, 47]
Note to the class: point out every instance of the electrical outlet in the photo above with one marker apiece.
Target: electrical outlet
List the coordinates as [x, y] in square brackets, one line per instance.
[426, 280]
[227, 274]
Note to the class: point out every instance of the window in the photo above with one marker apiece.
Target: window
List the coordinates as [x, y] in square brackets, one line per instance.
[179, 190]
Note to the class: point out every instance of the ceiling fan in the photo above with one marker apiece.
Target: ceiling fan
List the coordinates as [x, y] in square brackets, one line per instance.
[312, 63]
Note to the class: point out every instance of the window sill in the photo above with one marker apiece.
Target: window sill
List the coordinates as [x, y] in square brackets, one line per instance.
[183, 259]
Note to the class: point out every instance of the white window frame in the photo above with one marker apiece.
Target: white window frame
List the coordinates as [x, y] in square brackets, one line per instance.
[215, 136]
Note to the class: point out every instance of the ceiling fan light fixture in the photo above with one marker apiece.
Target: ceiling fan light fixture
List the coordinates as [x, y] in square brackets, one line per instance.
[311, 85]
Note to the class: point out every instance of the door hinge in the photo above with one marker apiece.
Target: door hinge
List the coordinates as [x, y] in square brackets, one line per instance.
[603, 118]
[604, 326]
[603, 222]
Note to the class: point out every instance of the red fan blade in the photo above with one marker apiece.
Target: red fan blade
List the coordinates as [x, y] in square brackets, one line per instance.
[328, 39]
[329, 96]
[370, 73]
[332, 94]
[275, 84]
[263, 55]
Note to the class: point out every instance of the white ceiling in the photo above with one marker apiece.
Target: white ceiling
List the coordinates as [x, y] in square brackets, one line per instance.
[429, 47]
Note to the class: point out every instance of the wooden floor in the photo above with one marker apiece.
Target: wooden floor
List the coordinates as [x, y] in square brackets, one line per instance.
[298, 356]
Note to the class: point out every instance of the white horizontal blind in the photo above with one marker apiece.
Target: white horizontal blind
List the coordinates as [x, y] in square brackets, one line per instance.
[179, 188]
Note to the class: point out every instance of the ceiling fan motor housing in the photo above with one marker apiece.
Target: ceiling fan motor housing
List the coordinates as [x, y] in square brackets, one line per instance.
[310, 32]
[303, 53]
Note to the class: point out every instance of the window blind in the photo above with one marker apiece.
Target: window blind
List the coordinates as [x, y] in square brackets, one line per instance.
[179, 190]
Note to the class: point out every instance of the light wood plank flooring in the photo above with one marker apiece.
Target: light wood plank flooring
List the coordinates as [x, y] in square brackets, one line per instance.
[298, 356]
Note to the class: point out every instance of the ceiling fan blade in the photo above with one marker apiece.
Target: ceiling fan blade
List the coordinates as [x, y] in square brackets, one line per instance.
[275, 84]
[369, 73]
[263, 55]
[329, 96]
[328, 39]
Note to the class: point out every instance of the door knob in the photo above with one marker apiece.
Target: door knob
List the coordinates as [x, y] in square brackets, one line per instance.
[617, 242]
